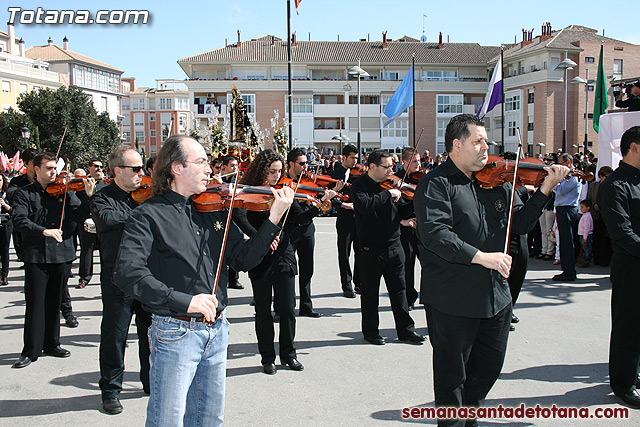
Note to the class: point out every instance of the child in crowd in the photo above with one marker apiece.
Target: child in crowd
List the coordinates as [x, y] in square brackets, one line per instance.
[585, 231]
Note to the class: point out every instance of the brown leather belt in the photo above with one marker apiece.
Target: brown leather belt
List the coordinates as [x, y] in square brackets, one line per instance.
[196, 319]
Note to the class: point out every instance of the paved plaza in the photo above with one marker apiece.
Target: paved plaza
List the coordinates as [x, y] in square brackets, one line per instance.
[557, 356]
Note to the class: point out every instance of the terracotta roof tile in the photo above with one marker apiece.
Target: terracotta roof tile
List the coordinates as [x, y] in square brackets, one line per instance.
[54, 54]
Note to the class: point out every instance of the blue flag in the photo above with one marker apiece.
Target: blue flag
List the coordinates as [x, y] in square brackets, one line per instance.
[401, 99]
[494, 93]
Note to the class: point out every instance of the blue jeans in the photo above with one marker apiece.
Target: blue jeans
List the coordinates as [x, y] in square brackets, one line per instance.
[188, 368]
[587, 247]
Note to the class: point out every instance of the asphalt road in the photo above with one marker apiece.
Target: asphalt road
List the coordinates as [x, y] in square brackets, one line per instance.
[557, 356]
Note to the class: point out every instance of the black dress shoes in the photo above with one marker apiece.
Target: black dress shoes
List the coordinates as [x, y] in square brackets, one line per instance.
[564, 278]
[294, 365]
[514, 318]
[347, 291]
[631, 398]
[512, 328]
[23, 362]
[309, 313]
[235, 286]
[112, 406]
[269, 368]
[71, 321]
[57, 352]
[413, 338]
[375, 340]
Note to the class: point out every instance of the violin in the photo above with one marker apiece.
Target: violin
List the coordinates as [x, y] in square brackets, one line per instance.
[62, 184]
[324, 180]
[143, 192]
[530, 172]
[417, 175]
[358, 170]
[307, 186]
[393, 181]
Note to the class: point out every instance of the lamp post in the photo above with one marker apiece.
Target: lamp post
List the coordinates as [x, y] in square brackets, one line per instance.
[341, 139]
[26, 133]
[586, 82]
[540, 144]
[357, 71]
[565, 65]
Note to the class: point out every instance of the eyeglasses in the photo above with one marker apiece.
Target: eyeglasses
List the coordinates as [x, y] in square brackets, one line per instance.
[302, 163]
[97, 166]
[135, 169]
[386, 167]
[199, 162]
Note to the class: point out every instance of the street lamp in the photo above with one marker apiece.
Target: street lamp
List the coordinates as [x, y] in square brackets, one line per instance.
[586, 82]
[341, 139]
[357, 71]
[540, 144]
[565, 65]
[26, 133]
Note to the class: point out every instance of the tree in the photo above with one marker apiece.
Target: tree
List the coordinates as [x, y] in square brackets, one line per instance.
[89, 134]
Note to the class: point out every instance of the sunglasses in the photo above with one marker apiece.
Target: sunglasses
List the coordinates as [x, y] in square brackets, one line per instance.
[97, 166]
[135, 169]
[301, 163]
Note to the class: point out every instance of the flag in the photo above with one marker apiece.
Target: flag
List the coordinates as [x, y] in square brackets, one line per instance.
[402, 98]
[297, 4]
[602, 102]
[494, 93]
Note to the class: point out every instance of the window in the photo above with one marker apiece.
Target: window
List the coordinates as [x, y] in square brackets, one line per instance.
[544, 65]
[589, 59]
[366, 123]
[512, 103]
[487, 123]
[140, 135]
[138, 120]
[125, 104]
[249, 102]
[182, 104]
[328, 123]
[104, 106]
[617, 68]
[6, 86]
[511, 128]
[23, 88]
[152, 133]
[498, 122]
[165, 103]
[390, 75]
[441, 126]
[328, 99]
[399, 128]
[450, 104]
[152, 117]
[365, 99]
[385, 100]
[300, 104]
[530, 125]
[182, 120]
[440, 76]
[590, 88]
[530, 97]
[256, 75]
[126, 136]
[139, 105]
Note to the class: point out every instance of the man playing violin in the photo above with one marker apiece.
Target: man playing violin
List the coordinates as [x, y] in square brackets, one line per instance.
[229, 167]
[302, 233]
[47, 223]
[462, 233]
[167, 260]
[111, 207]
[378, 227]
[346, 225]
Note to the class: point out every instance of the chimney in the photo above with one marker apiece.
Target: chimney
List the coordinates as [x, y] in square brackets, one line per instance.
[440, 44]
[294, 39]
[273, 40]
[21, 47]
[50, 42]
[385, 45]
[546, 32]
[239, 42]
[65, 43]
[12, 37]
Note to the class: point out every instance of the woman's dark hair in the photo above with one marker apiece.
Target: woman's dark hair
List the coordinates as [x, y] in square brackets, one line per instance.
[5, 183]
[256, 173]
[172, 151]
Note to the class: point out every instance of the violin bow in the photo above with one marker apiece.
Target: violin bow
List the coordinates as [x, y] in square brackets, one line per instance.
[66, 185]
[295, 190]
[513, 193]
[224, 238]
[415, 150]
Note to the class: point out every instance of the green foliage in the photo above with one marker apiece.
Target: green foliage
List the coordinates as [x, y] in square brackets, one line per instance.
[89, 134]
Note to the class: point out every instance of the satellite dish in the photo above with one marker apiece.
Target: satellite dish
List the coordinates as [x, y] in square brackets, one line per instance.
[423, 38]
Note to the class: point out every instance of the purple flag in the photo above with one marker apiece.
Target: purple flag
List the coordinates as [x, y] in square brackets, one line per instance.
[494, 93]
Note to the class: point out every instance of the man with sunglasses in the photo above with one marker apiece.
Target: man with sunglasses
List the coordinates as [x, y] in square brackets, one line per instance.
[302, 233]
[378, 227]
[88, 238]
[111, 207]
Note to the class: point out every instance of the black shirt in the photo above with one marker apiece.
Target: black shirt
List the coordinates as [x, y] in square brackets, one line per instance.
[34, 211]
[619, 202]
[377, 216]
[632, 103]
[169, 253]
[110, 206]
[456, 218]
[16, 183]
[84, 211]
[339, 172]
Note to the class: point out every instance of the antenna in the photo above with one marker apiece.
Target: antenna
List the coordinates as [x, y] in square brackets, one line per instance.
[423, 38]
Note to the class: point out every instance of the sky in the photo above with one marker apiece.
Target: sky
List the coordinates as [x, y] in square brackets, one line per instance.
[177, 29]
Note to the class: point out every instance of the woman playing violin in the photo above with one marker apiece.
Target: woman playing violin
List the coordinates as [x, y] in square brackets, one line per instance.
[275, 274]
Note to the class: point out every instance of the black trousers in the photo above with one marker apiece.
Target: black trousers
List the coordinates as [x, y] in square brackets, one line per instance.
[346, 230]
[234, 277]
[88, 243]
[304, 245]
[387, 262]
[519, 252]
[567, 217]
[65, 300]
[117, 311]
[468, 355]
[43, 285]
[17, 243]
[601, 243]
[410, 246]
[624, 348]
[283, 286]
[5, 239]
